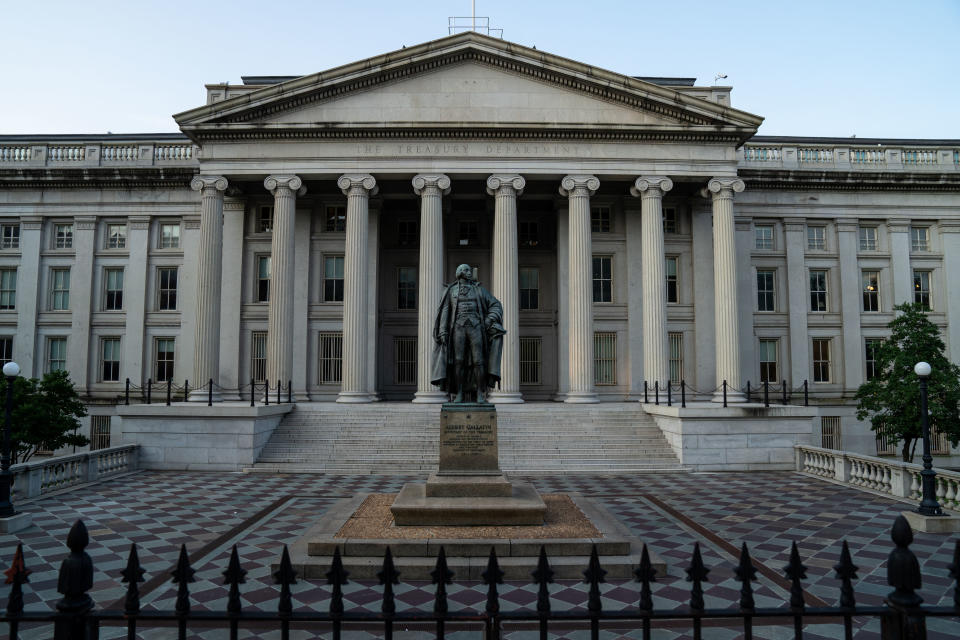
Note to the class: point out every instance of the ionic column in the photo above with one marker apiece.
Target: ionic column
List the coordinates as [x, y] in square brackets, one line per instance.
[725, 287]
[650, 190]
[578, 189]
[506, 281]
[356, 282]
[285, 190]
[431, 188]
[206, 352]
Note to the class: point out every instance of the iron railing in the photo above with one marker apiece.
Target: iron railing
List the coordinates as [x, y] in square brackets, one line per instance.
[765, 393]
[902, 615]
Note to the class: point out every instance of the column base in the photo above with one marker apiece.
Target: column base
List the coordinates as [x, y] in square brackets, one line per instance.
[505, 397]
[732, 397]
[431, 397]
[354, 397]
[203, 395]
[581, 397]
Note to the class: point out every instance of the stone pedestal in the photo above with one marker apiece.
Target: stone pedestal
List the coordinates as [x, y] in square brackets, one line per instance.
[947, 523]
[468, 488]
[16, 522]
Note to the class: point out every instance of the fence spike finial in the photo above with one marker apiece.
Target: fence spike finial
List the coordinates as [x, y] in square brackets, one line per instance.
[746, 573]
[132, 574]
[955, 574]
[903, 568]
[285, 576]
[388, 577]
[76, 572]
[696, 573]
[182, 575]
[337, 577]
[234, 576]
[594, 575]
[795, 572]
[645, 574]
[846, 573]
[441, 576]
[492, 576]
[542, 576]
[17, 576]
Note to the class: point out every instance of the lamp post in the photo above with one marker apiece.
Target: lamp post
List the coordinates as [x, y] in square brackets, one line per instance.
[11, 370]
[928, 477]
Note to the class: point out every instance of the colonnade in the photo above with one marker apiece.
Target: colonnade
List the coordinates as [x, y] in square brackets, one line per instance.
[505, 188]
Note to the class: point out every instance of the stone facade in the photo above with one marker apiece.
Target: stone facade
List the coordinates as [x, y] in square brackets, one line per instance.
[301, 230]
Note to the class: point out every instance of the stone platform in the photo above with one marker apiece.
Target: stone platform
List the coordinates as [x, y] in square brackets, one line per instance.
[523, 506]
[415, 549]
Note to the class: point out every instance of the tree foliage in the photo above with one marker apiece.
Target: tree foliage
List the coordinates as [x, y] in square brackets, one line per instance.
[45, 415]
[891, 400]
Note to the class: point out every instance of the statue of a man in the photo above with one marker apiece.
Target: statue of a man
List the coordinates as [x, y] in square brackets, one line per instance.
[468, 331]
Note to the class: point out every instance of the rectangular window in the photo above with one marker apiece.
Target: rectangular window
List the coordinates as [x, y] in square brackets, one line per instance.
[9, 236]
[818, 290]
[671, 273]
[676, 356]
[164, 358]
[56, 354]
[170, 236]
[670, 220]
[604, 358]
[6, 350]
[769, 360]
[258, 355]
[263, 278]
[529, 288]
[109, 359]
[407, 232]
[763, 237]
[530, 362]
[939, 443]
[63, 236]
[336, 216]
[60, 289]
[113, 289]
[920, 238]
[405, 360]
[116, 236]
[468, 232]
[886, 445]
[333, 279]
[868, 238]
[766, 290]
[528, 233]
[407, 288]
[821, 359]
[8, 289]
[99, 432]
[603, 278]
[167, 288]
[265, 219]
[871, 290]
[830, 433]
[816, 238]
[331, 357]
[871, 351]
[921, 289]
[600, 219]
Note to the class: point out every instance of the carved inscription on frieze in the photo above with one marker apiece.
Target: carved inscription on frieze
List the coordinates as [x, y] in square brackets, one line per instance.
[472, 149]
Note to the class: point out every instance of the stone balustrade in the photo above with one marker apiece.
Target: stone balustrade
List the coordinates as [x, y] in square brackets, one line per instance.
[765, 155]
[95, 153]
[883, 475]
[33, 479]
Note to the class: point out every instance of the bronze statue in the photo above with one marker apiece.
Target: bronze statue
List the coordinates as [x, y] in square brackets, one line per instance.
[468, 331]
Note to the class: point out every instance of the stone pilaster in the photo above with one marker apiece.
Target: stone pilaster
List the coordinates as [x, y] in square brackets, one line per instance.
[898, 234]
[650, 190]
[81, 342]
[285, 190]
[851, 302]
[206, 353]
[725, 286]
[950, 238]
[431, 188]
[356, 280]
[25, 342]
[231, 286]
[578, 189]
[506, 283]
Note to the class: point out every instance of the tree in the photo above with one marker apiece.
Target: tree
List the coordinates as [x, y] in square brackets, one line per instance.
[45, 415]
[892, 399]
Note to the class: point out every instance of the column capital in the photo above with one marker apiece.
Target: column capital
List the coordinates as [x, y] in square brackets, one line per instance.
[651, 186]
[572, 183]
[294, 183]
[723, 187]
[208, 182]
[364, 181]
[424, 181]
[498, 180]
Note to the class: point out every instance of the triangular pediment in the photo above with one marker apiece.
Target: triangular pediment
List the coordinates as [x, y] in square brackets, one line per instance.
[466, 81]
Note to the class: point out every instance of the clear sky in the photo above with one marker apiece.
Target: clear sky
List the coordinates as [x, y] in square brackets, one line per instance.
[870, 68]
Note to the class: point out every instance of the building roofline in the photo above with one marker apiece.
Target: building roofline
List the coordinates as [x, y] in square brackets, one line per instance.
[91, 137]
[855, 142]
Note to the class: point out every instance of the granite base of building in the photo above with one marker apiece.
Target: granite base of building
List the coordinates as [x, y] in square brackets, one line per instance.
[618, 548]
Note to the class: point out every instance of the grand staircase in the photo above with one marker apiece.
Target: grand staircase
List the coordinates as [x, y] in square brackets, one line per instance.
[401, 438]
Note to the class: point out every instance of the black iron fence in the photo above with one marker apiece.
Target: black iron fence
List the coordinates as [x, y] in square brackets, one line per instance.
[168, 391]
[670, 393]
[902, 615]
